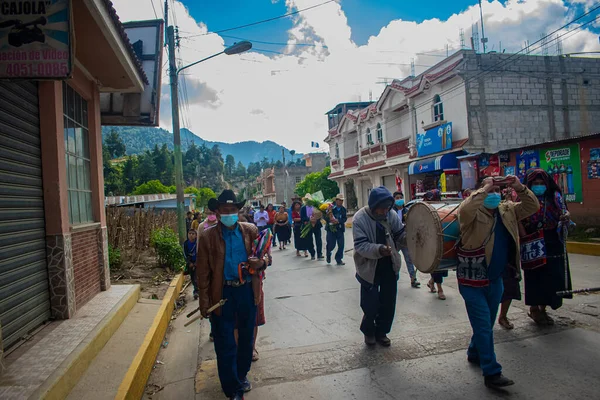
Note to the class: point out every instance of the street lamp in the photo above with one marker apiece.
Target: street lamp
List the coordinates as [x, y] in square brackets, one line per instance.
[174, 72]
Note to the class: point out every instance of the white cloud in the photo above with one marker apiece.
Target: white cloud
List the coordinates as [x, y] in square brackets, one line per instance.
[283, 97]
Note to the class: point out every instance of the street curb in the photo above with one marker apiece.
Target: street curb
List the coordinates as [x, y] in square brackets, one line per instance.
[134, 382]
[590, 249]
[65, 378]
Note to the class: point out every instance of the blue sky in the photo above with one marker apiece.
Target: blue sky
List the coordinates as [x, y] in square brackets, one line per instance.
[365, 17]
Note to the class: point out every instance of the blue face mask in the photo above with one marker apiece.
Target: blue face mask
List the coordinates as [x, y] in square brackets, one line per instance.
[538, 190]
[492, 201]
[229, 220]
[400, 203]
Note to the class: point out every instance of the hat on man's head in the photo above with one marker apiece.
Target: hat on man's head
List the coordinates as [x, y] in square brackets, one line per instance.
[340, 197]
[227, 197]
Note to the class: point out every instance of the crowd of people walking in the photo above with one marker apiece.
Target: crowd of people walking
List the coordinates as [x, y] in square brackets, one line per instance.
[497, 219]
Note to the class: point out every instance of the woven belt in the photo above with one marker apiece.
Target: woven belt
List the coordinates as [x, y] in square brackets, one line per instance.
[235, 283]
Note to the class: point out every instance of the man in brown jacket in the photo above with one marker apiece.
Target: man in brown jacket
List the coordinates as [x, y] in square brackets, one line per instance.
[222, 251]
[489, 241]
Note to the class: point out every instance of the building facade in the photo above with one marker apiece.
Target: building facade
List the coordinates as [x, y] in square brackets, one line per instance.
[415, 136]
[53, 237]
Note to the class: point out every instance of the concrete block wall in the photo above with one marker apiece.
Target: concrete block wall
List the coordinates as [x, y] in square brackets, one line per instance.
[516, 100]
[86, 266]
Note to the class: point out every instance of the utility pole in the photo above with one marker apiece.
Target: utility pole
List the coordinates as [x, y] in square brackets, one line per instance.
[285, 177]
[483, 38]
[176, 134]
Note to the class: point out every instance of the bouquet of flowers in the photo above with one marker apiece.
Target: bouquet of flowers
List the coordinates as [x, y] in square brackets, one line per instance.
[321, 211]
[261, 247]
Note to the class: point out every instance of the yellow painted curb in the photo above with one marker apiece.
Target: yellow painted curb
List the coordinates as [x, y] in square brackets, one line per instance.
[590, 249]
[134, 382]
[75, 365]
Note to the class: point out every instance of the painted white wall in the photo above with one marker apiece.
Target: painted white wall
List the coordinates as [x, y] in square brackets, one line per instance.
[455, 106]
[397, 125]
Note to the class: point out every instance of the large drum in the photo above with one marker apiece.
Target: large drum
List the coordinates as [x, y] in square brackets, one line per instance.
[431, 232]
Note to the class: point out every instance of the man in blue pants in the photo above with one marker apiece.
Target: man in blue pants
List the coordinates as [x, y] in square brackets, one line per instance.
[335, 231]
[489, 236]
[221, 251]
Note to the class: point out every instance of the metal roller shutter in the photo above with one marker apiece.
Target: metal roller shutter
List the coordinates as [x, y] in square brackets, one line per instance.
[24, 295]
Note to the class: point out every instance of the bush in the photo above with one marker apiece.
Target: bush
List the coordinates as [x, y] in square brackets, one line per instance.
[114, 257]
[168, 249]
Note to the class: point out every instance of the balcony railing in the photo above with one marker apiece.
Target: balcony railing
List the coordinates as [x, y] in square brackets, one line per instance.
[397, 148]
[376, 148]
[351, 162]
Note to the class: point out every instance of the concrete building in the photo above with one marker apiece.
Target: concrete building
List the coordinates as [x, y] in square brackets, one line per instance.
[276, 185]
[53, 237]
[467, 104]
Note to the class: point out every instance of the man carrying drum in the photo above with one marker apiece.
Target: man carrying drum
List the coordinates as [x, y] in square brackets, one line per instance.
[488, 230]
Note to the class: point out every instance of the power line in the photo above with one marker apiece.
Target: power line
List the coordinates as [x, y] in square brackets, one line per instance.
[275, 43]
[154, 9]
[263, 21]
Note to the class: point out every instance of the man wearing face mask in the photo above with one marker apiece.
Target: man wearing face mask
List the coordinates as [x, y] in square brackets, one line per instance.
[378, 232]
[401, 210]
[489, 239]
[221, 252]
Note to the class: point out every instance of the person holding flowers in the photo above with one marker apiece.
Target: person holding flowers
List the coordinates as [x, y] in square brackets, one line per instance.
[335, 228]
[310, 216]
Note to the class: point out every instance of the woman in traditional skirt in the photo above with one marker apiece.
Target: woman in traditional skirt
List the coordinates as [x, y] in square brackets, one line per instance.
[282, 227]
[437, 278]
[300, 243]
[542, 283]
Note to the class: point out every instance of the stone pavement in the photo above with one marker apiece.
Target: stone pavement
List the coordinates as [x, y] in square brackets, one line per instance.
[311, 346]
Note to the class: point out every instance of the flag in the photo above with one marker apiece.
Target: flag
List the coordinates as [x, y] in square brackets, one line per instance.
[398, 183]
[314, 144]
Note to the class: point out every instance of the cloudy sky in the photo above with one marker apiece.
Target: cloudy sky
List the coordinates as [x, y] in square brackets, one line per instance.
[344, 50]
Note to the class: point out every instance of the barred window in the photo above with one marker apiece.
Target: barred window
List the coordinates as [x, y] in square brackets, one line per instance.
[369, 137]
[77, 156]
[438, 108]
[379, 133]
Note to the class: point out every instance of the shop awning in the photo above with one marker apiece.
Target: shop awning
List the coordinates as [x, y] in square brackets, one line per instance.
[446, 161]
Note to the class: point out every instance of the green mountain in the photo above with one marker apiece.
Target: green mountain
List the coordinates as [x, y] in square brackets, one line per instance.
[139, 139]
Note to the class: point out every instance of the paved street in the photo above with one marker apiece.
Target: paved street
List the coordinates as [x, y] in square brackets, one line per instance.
[311, 347]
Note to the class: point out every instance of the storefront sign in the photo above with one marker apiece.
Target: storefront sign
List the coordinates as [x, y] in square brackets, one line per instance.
[434, 140]
[468, 171]
[489, 165]
[563, 164]
[504, 157]
[508, 170]
[526, 159]
[35, 37]
[594, 164]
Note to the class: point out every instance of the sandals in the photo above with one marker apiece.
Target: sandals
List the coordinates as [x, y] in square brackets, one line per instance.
[505, 323]
[415, 283]
[441, 296]
[298, 254]
[537, 316]
[255, 355]
[549, 319]
[431, 287]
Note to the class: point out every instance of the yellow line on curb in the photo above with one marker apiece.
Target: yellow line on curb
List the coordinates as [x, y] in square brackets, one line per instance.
[77, 363]
[134, 382]
[590, 249]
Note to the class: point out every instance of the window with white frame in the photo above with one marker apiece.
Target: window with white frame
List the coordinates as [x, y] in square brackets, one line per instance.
[369, 137]
[298, 179]
[337, 150]
[438, 108]
[77, 156]
[379, 133]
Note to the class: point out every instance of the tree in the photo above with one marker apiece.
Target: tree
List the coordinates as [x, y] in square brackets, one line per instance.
[292, 153]
[152, 187]
[253, 169]
[130, 174]
[202, 195]
[114, 145]
[229, 166]
[318, 181]
[240, 171]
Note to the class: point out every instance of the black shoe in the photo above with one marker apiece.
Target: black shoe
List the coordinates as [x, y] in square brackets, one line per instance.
[370, 340]
[320, 258]
[246, 385]
[328, 258]
[384, 341]
[340, 263]
[497, 381]
[237, 397]
[195, 296]
[312, 258]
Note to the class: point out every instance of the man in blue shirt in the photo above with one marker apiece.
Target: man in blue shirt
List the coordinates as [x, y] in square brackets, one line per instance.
[222, 251]
[335, 230]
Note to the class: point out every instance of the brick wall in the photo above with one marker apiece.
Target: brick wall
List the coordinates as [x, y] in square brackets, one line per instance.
[86, 266]
[527, 100]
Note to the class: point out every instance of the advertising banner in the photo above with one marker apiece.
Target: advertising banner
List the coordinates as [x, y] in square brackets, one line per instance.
[509, 170]
[563, 164]
[35, 39]
[526, 159]
[434, 140]
[468, 171]
[594, 164]
[489, 165]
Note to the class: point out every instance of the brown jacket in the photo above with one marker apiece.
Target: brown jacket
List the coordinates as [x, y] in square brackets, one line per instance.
[476, 221]
[210, 264]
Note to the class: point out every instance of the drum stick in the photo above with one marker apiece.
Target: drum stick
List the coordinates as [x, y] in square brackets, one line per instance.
[568, 292]
[213, 308]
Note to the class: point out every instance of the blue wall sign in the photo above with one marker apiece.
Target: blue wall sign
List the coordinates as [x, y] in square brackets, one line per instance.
[434, 140]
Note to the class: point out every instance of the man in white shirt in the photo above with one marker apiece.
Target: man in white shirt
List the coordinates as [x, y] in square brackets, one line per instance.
[261, 218]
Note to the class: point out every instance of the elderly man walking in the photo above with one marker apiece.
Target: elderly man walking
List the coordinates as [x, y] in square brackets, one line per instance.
[377, 231]
[221, 251]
